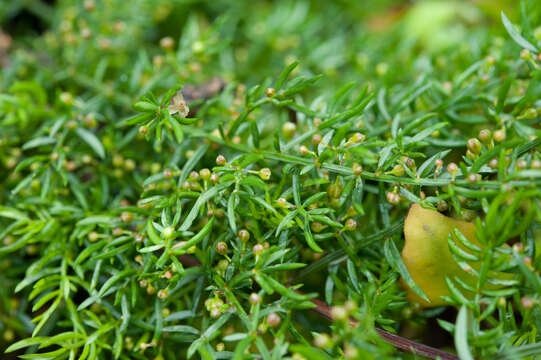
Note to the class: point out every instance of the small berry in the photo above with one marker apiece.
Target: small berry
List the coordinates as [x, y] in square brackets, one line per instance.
[473, 178]
[243, 235]
[357, 138]
[168, 173]
[452, 168]
[281, 202]
[351, 224]
[162, 294]
[270, 92]
[474, 145]
[265, 173]
[303, 150]
[316, 227]
[398, 170]
[93, 236]
[126, 216]
[167, 42]
[255, 298]
[339, 313]
[442, 205]
[526, 302]
[493, 164]
[499, 135]
[273, 319]
[316, 139]
[204, 173]
[221, 248]
[392, 197]
[168, 232]
[322, 340]
[289, 129]
[143, 130]
[258, 249]
[220, 160]
[214, 178]
[525, 54]
[357, 168]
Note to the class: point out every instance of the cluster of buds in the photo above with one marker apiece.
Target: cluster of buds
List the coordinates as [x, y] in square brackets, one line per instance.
[215, 306]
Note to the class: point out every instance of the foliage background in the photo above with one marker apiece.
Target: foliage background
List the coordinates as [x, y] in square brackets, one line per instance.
[75, 168]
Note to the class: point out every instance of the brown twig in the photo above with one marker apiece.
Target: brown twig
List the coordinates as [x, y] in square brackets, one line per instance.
[397, 341]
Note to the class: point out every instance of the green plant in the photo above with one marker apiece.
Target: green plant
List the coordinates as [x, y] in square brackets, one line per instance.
[197, 196]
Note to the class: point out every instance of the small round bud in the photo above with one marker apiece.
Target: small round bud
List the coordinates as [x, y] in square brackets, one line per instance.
[54, 156]
[273, 319]
[258, 249]
[89, 5]
[93, 236]
[214, 178]
[499, 135]
[221, 248]
[162, 294]
[126, 216]
[117, 231]
[339, 313]
[215, 313]
[289, 129]
[485, 136]
[143, 130]
[303, 150]
[452, 168]
[357, 168]
[334, 190]
[281, 202]
[398, 170]
[316, 227]
[351, 224]
[410, 163]
[527, 302]
[265, 174]
[470, 155]
[392, 197]
[536, 164]
[66, 98]
[270, 92]
[473, 178]
[525, 54]
[168, 173]
[168, 232]
[521, 164]
[493, 164]
[316, 139]
[243, 235]
[204, 173]
[151, 289]
[167, 43]
[442, 205]
[220, 160]
[143, 283]
[194, 176]
[502, 302]
[255, 299]
[357, 138]
[220, 347]
[438, 163]
[474, 145]
[322, 341]
[139, 238]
